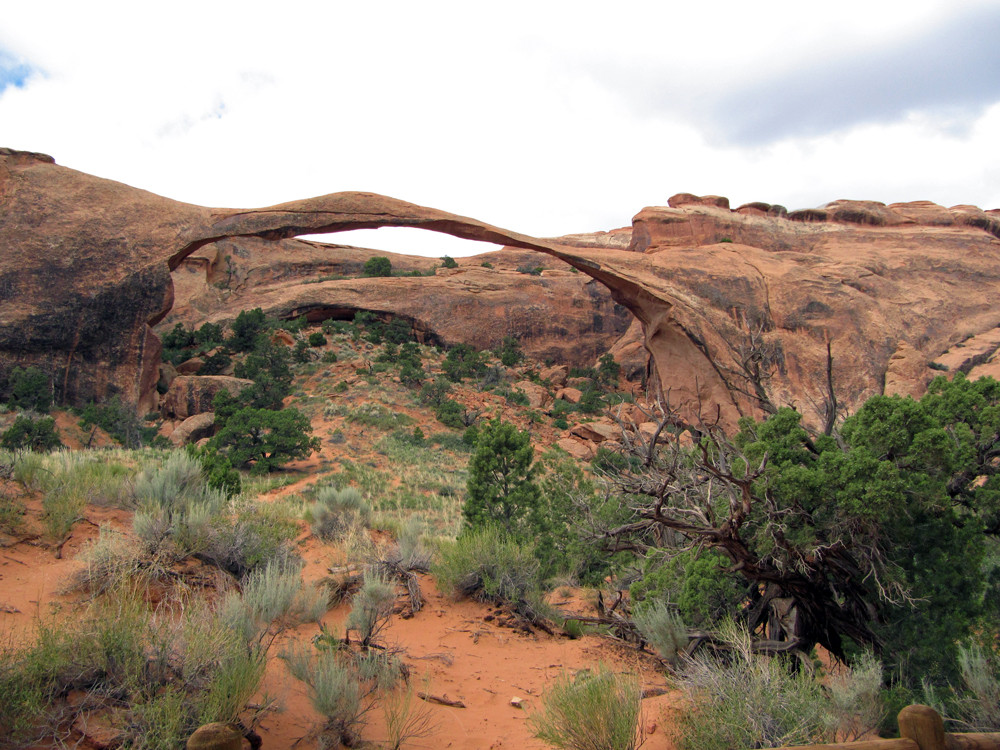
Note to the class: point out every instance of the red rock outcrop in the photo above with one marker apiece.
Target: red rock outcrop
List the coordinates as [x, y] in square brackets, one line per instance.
[558, 315]
[85, 271]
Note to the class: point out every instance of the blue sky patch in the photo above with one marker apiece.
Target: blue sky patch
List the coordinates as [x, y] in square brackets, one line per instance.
[13, 71]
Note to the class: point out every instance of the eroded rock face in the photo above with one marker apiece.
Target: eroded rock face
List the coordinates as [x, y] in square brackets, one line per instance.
[557, 315]
[890, 288]
[85, 266]
[85, 271]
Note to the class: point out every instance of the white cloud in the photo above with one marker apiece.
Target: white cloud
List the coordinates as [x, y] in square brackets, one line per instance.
[544, 118]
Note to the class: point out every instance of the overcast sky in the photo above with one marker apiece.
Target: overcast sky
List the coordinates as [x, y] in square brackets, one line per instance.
[544, 117]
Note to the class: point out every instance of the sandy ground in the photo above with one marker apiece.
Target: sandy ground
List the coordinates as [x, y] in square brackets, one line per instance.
[458, 651]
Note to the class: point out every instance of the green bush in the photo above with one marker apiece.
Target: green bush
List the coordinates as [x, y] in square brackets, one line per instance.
[509, 352]
[448, 262]
[249, 536]
[371, 608]
[265, 440]
[462, 362]
[487, 565]
[749, 699]
[337, 511]
[29, 389]
[663, 629]
[155, 682]
[316, 338]
[591, 711]
[116, 418]
[450, 414]
[246, 329]
[501, 485]
[39, 435]
[377, 265]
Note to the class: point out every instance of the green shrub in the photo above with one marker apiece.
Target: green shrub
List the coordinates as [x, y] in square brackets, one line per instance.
[509, 352]
[371, 608]
[501, 486]
[29, 389]
[316, 338]
[591, 711]
[450, 414]
[245, 330]
[25, 433]
[377, 265]
[448, 262]
[334, 691]
[117, 419]
[154, 681]
[264, 439]
[749, 699]
[462, 362]
[663, 629]
[376, 415]
[250, 535]
[337, 511]
[487, 565]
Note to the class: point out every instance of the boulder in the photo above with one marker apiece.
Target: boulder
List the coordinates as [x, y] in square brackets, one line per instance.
[193, 394]
[577, 448]
[538, 396]
[190, 366]
[597, 432]
[556, 375]
[573, 395]
[193, 429]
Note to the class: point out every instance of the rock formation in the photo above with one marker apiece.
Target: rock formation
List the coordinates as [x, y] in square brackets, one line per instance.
[738, 308]
[558, 315]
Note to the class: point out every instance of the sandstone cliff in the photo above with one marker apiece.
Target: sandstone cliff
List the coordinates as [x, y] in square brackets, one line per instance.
[559, 314]
[85, 272]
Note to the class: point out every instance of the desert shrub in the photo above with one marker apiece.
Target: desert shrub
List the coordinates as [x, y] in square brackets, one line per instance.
[663, 629]
[155, 681]
[695, 582]
[976, 705]
[487, 565]
[334, 690]
[462, 362]
[501, 485]
[448, 262]
[316, 338]
[376, 415]
[608, 370]
[591, 711]
[377, 265]
[250, 535]
[749, 699]
[336, 511]
[113, 560]
[29, 389]
[371, 608]
[245, 330]
[116, 418]
[449, 413]
[268, 366]
[509, 352]
[265, 440]
[530, 269]
[218, 470]
[275, 594]
[31, 434]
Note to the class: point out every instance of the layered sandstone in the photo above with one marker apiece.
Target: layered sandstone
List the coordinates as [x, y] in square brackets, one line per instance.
[737, 308]
[558, 315]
